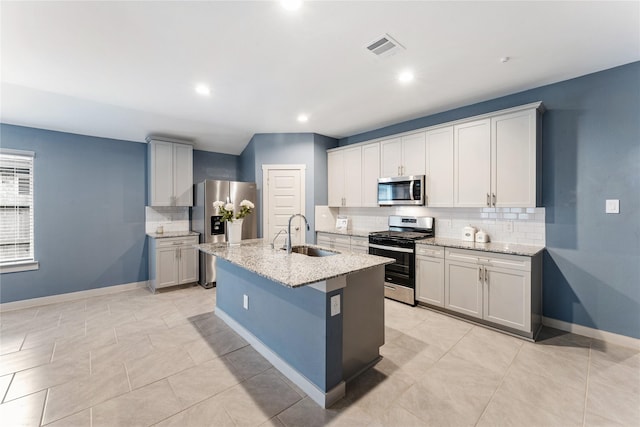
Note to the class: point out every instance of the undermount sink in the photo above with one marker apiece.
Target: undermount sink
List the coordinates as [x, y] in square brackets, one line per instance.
[311, 251]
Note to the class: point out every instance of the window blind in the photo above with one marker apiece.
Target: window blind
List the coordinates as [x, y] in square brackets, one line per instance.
[16, 206]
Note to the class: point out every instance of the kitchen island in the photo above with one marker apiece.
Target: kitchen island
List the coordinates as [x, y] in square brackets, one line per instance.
[319, 320]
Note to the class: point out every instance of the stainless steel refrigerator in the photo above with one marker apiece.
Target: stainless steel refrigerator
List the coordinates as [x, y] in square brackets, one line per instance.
[206, 221]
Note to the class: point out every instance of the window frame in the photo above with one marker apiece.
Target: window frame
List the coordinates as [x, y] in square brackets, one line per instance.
[12, 266]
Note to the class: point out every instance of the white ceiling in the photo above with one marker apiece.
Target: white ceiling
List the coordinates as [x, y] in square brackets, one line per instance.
[127, 69]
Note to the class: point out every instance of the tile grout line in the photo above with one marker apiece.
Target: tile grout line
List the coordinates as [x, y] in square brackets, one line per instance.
[586, 388]
[128, 379]
[44, 406]
[500, 384]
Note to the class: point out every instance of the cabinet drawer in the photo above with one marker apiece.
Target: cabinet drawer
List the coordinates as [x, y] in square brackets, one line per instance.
[515, 262]
[359, 242]
[176, 241]
[430, 251]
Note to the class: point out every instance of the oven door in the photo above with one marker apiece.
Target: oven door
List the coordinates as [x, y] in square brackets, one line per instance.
[402, 271]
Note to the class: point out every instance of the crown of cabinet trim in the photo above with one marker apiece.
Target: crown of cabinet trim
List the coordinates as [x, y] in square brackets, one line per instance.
[160, 138]
[534, 105]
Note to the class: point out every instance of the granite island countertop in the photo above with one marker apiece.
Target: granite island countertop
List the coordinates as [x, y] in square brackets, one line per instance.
[291, 270]
[496, 247]
[350, 232]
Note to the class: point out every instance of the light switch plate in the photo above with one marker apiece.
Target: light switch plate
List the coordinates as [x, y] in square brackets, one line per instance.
[245, 302]
[612, 206]
[335, 305]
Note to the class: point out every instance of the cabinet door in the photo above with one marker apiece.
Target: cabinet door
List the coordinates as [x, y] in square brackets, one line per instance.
[353, 177]
[188, 265]
[166, 267]
[439, 181]
[472, 164]
[463, 288]
[370, 174]
[430, 280]
[161, 173]
[413, 155]
[335, 175]
[513, 159]
[183, 174]
[507, 297]
[390, 157]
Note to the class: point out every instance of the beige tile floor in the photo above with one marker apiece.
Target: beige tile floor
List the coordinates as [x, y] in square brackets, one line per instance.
[137, 359]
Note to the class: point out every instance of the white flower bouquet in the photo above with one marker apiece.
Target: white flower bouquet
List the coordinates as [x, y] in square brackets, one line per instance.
[226, 209]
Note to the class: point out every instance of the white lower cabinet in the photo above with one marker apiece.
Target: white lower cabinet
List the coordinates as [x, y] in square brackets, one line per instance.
[463, 289]
[498, 289]
[430, 275]
[172, 261]
[342, 242]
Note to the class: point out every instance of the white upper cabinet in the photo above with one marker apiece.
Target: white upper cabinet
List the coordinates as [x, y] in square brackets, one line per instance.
[513, 159]
[370, 174]
[345, 177]
[472, 164]
[170, 174]
[439, 180]
[403, 156]
[487, 161]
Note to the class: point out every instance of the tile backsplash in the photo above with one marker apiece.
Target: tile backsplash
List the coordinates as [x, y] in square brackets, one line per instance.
[171, 218]
[508, 225]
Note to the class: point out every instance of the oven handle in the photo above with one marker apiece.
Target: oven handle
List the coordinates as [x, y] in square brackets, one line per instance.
[391, 248]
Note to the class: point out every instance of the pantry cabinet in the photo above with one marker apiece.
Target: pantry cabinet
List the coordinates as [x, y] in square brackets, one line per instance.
[439, 179]
[170, 173]
[430, 275]
[172, 261]
[403, 156]
[345, 177]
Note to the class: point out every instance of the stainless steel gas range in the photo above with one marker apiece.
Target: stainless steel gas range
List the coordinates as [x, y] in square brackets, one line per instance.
[399, 243]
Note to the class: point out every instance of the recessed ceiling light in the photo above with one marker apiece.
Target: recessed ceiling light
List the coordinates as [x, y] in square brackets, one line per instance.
[202, 89]
[405, 76]
[303, 118]
[291, 4]
[504, 59]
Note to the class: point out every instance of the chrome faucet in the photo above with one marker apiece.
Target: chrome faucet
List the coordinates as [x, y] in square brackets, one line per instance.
[273, 243]
[289, 230]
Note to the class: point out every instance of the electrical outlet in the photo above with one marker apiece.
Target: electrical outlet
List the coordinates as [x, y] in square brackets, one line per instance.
[245, 302]
[508, 226]
[335, 305]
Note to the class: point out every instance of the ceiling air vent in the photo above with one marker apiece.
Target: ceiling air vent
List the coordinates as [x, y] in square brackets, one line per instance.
[384, 46]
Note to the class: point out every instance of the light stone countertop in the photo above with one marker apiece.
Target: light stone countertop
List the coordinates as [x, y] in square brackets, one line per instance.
[167, 234]
[497, 247]
[291, 270]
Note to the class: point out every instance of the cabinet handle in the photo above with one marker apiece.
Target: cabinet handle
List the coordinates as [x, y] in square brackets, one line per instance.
[488, 201]
[398, 170]
[486, 276]
[494, 199]
[480, 274]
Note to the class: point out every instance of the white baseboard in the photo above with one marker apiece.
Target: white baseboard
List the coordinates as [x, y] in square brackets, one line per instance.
[71, 296]
[609, 337]
[320, 397]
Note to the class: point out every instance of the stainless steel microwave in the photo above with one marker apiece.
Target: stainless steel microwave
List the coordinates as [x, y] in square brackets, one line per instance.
[401, 190]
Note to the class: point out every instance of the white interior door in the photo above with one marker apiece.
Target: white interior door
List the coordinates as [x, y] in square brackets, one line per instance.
[283, 196]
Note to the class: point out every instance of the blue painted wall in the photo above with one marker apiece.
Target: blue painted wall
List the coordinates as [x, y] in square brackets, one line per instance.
[89, 197]
[591, 152]
[299, 327]
[290, 148]
[209, 165]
